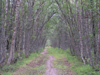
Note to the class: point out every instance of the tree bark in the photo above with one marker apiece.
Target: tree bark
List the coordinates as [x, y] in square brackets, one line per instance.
[12, 50]
[98, 34]
[94, 47]
[80, 23]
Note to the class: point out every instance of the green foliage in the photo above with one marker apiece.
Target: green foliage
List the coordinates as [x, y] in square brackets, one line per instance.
[33, 36]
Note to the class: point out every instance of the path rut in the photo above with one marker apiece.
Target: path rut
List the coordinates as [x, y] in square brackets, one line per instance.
[50, 69]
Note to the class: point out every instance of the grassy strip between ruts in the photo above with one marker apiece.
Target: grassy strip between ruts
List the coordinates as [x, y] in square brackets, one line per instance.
[76, 65]
[9, 69]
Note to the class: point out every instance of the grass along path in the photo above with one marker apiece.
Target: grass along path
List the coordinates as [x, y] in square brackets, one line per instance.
[60, 62]
[33, 65]
[52, 61]
[9, 69]
[47, 63]
[67, 64]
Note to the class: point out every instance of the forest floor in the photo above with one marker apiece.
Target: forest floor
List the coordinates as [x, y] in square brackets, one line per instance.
[47, 63]
[51, 61]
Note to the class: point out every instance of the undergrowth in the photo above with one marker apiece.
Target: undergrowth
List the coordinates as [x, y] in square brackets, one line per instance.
[76, 65]
[9, 69]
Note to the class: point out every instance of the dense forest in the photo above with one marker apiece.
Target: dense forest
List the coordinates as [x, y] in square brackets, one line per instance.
[26, 26]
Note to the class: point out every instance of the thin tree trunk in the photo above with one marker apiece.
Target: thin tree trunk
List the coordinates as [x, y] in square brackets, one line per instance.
[98, 35]
[1, 32]
[93, 33]
[12, 50]
[80, 30]
[21, 28]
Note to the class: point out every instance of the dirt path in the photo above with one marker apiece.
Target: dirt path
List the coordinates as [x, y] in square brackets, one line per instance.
[46, 64]
[50, 69]
[49, 64]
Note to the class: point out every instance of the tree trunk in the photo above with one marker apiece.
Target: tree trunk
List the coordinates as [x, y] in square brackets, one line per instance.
[21, 28]
[12, 50]
[0, 31]
[80, 30]
[98, 35]
[93, 33]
